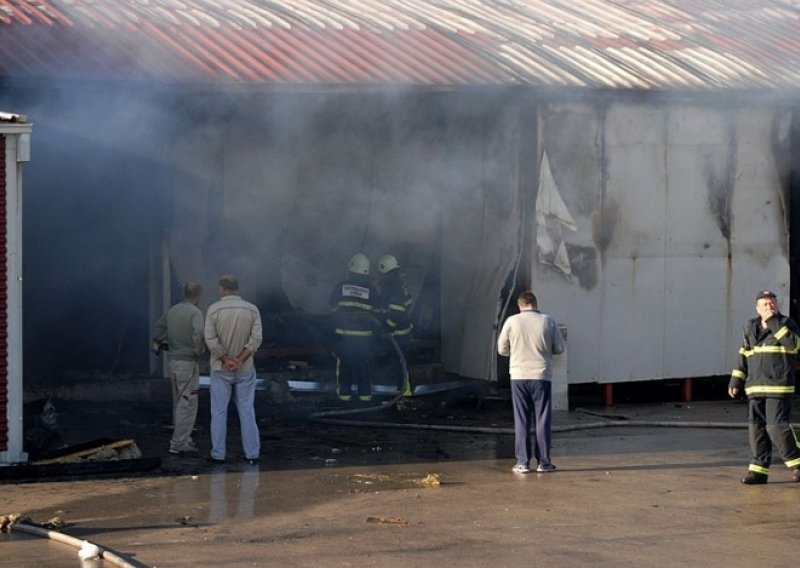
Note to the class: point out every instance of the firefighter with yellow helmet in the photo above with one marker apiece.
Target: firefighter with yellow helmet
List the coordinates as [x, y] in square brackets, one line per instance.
[394, 304]
[352, 302]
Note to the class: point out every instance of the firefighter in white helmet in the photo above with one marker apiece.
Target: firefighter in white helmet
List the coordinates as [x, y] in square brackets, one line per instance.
[394, 304]
[352, 302]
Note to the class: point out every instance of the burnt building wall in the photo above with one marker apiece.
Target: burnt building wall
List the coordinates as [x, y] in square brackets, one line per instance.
[663, 219]
[646, 203]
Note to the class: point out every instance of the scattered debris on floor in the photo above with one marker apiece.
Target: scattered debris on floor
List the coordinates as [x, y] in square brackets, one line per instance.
[431, 480]
[7, 521]
[99, 457]
[397, 481]
[370, 478]
[56, 523]
[119, 450]
[388, 520]
[42, 432]
[184, 521]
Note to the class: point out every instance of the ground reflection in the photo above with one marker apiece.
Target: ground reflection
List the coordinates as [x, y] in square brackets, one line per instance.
[233, 495]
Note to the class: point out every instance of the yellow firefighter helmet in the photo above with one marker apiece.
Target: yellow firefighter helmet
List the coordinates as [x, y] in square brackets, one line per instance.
[387, 263]
[359, 264]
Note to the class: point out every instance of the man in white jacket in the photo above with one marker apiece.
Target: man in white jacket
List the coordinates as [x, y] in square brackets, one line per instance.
[531, 338]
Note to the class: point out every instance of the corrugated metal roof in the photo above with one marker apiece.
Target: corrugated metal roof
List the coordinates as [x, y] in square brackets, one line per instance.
[643, 44]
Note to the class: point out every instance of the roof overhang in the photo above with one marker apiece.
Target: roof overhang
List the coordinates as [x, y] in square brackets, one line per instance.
[11, 123]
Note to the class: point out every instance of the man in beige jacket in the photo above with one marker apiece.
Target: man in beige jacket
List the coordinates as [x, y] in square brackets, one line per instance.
[233, 335]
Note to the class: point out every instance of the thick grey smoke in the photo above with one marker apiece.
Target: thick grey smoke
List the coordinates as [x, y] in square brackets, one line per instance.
[279, 188]
[95, 198]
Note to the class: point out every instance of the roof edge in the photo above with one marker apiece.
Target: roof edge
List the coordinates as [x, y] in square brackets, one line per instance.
[13, 118]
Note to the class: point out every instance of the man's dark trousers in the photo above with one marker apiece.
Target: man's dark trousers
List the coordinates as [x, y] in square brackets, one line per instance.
[532, 397]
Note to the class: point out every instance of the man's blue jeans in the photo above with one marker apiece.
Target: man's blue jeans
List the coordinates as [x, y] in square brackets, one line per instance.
[243, 385]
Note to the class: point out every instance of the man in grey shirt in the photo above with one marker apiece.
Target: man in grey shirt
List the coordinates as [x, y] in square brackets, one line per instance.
[233, 335]
[180, 329]
[531, 338]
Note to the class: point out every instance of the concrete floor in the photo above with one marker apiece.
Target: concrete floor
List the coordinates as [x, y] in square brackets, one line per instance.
[627, 496]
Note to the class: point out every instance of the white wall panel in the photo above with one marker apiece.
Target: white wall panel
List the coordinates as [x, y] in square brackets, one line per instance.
[632, 332]
[697, 317]
[688, 224]
[698, 272]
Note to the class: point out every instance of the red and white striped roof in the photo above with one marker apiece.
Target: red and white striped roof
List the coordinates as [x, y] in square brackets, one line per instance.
[619, 44]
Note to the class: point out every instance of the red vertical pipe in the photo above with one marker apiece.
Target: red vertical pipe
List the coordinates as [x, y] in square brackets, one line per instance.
[686, 390]
[608, 394]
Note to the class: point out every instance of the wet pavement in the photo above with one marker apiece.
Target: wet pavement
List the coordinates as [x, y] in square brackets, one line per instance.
[329, 495]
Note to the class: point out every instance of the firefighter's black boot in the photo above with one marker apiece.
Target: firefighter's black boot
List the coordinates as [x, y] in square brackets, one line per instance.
[753, 478]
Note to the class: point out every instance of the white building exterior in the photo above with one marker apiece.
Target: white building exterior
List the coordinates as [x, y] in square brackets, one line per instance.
[14, 152]
[668, 220]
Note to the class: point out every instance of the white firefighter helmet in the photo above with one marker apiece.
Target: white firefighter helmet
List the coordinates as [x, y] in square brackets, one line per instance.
[387, 263]
[359, 264]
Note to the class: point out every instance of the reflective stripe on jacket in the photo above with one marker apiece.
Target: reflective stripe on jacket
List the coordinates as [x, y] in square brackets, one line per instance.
[395, 304]
[352, 303]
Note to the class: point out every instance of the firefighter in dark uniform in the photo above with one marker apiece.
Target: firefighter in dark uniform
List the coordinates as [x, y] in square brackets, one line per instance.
[765, 371]
[352, 303]
[394, 304]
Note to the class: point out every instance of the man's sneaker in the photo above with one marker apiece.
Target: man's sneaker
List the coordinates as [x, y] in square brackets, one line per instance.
[249, 461]
[796, 474]
[521, 468]
[211, 459]
[545, 468]
[187, 449]
[753, 478]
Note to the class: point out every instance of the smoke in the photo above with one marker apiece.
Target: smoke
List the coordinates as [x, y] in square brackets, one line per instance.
[94, 201]
[278, 188]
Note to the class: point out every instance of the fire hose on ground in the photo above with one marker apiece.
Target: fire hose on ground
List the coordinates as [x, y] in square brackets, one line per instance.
[328, 416]
[324, 418]
[86, 549]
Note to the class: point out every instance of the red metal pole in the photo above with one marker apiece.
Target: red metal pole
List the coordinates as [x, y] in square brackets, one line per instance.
[686, 395]
[609, 394]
